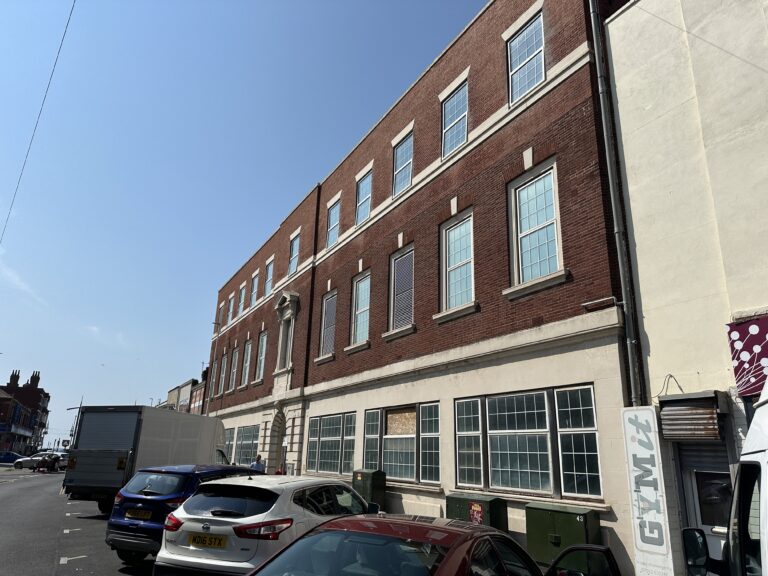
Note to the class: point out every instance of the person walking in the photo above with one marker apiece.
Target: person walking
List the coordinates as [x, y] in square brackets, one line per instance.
[258, 465]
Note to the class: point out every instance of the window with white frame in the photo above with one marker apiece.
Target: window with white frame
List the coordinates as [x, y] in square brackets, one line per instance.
[293, 261]
[268, 278]
[229, 442]
[222, 374]
[331, 443]
[525, 56]
[241, 301]
[458, 283]
[535, 228]
[360, 309]
[401, 290]
[231, 313]
[328, 327]
[254, 288]
[403, 168]
[371, 443]
[247, 446]
[429, 442]
[364, 188]
[212, 380]
[220, 323]
[398, 449]
[404, 442]
[233, 376]
[260, 355]
[520, 430]
[577, 436]
[518, 442]
[246, 363]
[469, 450]
[334, 213]
[348, 445]
[455, 120]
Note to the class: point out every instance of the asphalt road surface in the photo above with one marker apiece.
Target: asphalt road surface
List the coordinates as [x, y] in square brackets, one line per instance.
[44, 534]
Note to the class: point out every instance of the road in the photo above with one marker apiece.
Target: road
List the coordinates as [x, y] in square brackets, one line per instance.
[44, 534]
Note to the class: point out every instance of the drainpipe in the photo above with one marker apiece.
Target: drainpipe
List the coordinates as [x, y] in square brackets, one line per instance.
[636, 387]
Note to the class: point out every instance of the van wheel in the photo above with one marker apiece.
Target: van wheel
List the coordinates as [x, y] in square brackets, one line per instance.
[105, 506]
[130, 557]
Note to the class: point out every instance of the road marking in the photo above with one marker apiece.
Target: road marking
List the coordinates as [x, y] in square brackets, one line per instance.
[64, 559]
[72, 530]
[73, 513]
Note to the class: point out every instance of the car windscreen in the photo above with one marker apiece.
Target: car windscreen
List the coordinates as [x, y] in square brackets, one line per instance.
[334, 552]
[155, 484]
[231, 501]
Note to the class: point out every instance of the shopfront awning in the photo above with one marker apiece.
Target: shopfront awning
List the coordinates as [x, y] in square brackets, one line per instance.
[696, 417]
[749, 354]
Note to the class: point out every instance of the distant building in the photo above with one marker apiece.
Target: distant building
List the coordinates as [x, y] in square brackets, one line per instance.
[179, 396]
[23, 418]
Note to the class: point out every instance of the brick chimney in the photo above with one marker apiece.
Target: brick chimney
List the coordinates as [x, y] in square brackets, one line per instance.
[14, 381]
[35, 380]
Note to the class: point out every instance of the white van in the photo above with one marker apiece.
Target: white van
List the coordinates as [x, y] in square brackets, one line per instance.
[744, 552]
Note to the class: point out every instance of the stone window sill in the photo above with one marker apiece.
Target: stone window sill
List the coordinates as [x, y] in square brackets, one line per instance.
[323, 359]
[533, 286]
[258, 382]
[357, 347]
[281, 371]
[399, 332]
[458, 312]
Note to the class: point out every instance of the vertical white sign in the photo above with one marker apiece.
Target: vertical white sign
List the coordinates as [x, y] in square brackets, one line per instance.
[650, 524]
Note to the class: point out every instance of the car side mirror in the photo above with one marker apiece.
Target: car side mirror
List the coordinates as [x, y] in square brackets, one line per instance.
[584, 560]
[373, 508]
[696, 552]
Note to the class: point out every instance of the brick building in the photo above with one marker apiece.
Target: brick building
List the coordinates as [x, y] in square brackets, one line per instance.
[443, 304]
[26, 413]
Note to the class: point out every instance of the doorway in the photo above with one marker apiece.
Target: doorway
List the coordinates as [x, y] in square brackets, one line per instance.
[708, 490]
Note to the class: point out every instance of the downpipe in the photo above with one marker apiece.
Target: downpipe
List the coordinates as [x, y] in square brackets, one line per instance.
[636, 388]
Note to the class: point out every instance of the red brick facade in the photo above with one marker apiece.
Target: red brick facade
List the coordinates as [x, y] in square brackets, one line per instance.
[561, 123]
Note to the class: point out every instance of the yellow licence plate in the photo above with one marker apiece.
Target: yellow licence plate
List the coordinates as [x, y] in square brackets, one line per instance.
[207, 540]
[138, 514]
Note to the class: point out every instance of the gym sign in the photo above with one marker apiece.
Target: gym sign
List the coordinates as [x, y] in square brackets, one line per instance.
[646, 489]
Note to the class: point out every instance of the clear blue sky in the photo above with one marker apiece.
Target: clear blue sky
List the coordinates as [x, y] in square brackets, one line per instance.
[175, 138]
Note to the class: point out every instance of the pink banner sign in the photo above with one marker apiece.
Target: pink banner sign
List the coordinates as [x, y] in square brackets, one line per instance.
[749, 353]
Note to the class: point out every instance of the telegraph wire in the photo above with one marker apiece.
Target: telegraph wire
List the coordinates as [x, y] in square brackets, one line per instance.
[34, 130]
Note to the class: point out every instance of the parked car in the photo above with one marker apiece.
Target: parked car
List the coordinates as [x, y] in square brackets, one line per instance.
[135, 526]
[9, 457]
[388, 545]
[231, 526]
[30, 461]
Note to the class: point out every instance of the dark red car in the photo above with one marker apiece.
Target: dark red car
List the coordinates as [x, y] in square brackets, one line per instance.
[390, 545]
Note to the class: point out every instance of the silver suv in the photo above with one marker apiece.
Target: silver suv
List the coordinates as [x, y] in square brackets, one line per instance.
[233, 525]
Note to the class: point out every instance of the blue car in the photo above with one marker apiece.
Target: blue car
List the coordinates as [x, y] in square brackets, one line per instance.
[135, 528]
[9, 457]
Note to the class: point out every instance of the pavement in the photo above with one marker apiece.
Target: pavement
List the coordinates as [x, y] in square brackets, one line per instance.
[45, 534]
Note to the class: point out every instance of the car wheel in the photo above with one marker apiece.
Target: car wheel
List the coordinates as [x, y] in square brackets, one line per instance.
[17, 465]
[105, 507]
[130, 557]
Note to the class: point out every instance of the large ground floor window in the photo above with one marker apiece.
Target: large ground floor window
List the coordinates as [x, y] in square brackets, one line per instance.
[331, 445]
[247, 446]
[404, 442]
[543, 441]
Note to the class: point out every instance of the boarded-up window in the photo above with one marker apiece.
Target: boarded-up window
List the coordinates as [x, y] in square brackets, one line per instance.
[401, 422]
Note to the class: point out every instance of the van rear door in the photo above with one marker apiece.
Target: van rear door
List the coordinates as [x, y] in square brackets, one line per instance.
[745, 542]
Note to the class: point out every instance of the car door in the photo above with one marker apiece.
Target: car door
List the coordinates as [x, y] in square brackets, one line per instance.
[485, 561]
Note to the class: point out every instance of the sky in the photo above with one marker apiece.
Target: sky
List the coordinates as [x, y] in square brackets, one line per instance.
[175, 138]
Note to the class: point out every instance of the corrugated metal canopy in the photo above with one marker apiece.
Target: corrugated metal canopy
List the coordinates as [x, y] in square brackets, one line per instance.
[696, 417]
